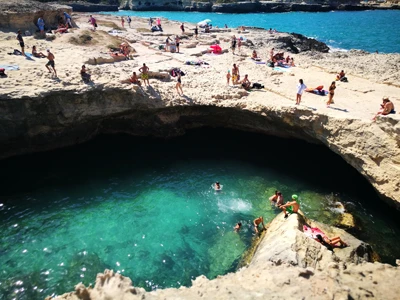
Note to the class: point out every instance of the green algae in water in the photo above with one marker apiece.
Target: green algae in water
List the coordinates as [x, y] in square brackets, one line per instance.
[147, 210]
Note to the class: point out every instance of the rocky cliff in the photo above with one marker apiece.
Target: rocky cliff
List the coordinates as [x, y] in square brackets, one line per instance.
[24, 14]
[286, 265]
[64, 118]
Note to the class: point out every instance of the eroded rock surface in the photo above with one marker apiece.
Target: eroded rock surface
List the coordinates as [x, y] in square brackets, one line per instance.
[287, 265]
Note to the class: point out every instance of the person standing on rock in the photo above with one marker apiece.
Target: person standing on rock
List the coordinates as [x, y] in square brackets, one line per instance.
[177, 42]
[196, 32]
[129, 20]
[144, 74]
[21, 42]
[300, 89]
[258, 221]
[178, 85]
[182, 28]
[122, 22]
[233, 44]
[68, 19]
[51, 57]
[331, 93]
[93, 22]
[40, 24]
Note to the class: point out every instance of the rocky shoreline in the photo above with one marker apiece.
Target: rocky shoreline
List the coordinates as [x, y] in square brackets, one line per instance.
[286, 265]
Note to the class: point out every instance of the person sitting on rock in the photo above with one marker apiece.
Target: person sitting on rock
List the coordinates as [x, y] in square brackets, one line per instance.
[330, 243]
[254, 56]
[133, 79]
[258, 221]
[340, 75]
[292, 206]
[85, 76]
[387, 107]
[37, 54]
[246, 83]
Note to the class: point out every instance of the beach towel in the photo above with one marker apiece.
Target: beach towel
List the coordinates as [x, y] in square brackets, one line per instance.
[9, 67]
[312, 232]
[282, 69]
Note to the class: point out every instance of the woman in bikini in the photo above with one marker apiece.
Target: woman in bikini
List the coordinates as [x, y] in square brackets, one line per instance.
[178, 85]
[331, 93]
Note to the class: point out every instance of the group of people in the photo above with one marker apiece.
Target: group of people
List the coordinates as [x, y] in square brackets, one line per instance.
[64, 23]
[293, 206]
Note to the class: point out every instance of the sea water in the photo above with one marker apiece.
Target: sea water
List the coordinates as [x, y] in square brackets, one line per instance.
[146, 208]
[366, 30]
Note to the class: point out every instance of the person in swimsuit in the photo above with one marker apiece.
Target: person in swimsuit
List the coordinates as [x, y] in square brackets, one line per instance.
[129, 20]
[178, 85]
[277, 199]
[233, 44]
[254, 56]
[196, 32]
[37, 54]
[295, 206]
[300, 89]
[21, 42]
[123, 22]
[167, 43]
[133, 79]
[258, 221]
[237, 227]
[228, 77]
[144, 74]
[177, 40]
[246, 83]
[217, 186]
[182, 28]
[85, 76]
[330, 243]
[340, 75]
[235, 74]
[51, 57]
[331, 93]
[387, 107]
[239, 43]
[271, 54]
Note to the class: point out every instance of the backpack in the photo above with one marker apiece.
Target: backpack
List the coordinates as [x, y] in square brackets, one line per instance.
[2, 72]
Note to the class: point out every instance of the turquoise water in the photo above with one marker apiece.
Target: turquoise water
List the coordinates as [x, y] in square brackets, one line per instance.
[146, 209]
[366, 30]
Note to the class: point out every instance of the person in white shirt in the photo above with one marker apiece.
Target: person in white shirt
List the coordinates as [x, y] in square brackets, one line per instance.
[300, 89]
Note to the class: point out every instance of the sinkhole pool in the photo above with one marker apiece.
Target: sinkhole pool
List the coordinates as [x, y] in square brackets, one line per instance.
[145, 207]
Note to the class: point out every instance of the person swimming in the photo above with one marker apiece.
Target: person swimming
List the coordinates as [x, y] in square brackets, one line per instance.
[237, 227]
[217, 186]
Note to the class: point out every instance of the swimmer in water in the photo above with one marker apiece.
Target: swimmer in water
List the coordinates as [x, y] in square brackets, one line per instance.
[217, 186]
[237, 227]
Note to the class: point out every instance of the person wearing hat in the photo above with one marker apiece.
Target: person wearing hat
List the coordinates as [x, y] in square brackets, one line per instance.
[294, 205]
[387, 107]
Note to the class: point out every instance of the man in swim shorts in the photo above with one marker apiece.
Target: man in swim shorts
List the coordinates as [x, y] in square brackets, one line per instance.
[387, 107]
[258, 221]
[21, 42]
[144, 74]
[294, 204]
[51, 57]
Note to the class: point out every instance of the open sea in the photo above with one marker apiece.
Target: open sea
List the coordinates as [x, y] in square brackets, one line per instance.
[341, 30]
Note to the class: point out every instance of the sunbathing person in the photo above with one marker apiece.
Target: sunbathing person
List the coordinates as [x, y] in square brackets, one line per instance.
[330, 243]
[292, 205]
[61, 28]
[387, 107]
[133, 79]
[246, 82]
[340, 75]
[37, 54]
[254, 56]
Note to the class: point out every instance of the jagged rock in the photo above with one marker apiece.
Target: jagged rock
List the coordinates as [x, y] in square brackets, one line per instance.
[297, 43]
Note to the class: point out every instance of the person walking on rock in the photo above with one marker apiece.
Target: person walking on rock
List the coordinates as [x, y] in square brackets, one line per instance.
[51, 57]
[300, 89]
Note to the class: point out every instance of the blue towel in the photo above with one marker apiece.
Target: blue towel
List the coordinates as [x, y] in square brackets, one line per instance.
[9, 67]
